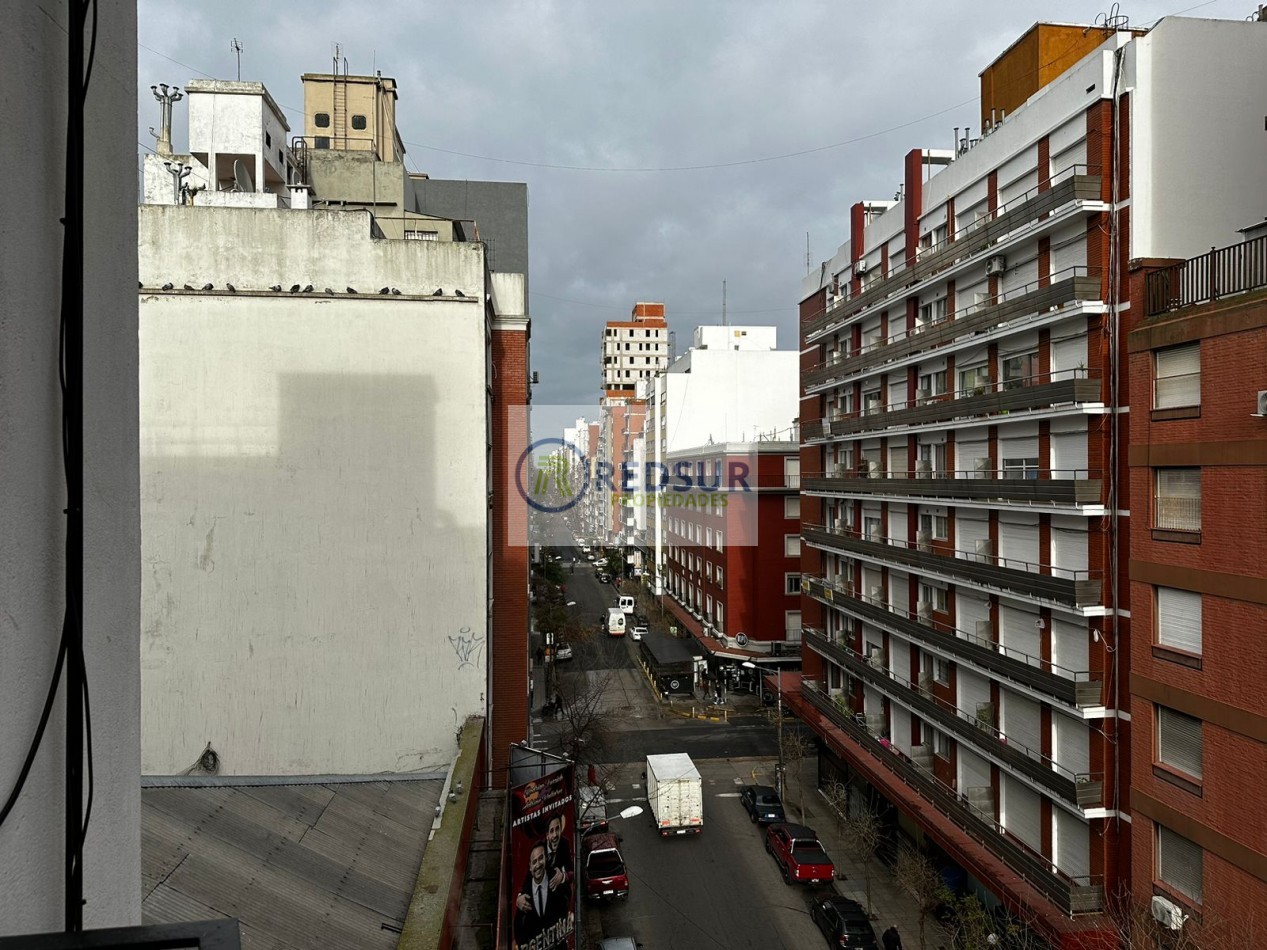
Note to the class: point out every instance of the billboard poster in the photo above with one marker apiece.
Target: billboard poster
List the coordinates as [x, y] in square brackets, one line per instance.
[543, 862]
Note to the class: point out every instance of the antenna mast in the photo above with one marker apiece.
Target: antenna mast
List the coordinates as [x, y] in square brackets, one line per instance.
[723, 303]
[237, 48]
[808, 260]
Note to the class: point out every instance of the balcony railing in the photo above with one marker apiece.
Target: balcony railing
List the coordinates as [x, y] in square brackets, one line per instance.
[1021, 210]
[1076, 284]
[1073, 588]
[1220, 273]
[1083, 790]
[1081, 895]
[1064, 388]
[1028, 486]
[1080, 688]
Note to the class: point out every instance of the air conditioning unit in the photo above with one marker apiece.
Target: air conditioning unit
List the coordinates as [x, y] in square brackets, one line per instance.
[985, 630]
[996, 265]
[1262, 403]
[923, 396]
[923, 541]
[859, 268]
[1167, 913]
[873, 469]
[924, 610]
[923, 468]
[985, 547]
[982, 466]
[876, 658]
[876, 595]
[874, 534]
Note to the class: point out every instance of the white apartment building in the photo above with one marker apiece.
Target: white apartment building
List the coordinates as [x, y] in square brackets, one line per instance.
[634, 349]
[318, 452]
[732, 385]
[964, 503]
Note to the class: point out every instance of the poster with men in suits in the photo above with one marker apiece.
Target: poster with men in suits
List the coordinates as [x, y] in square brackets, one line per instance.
[542, 862]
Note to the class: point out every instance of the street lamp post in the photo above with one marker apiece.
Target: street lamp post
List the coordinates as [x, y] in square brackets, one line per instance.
[778, 772]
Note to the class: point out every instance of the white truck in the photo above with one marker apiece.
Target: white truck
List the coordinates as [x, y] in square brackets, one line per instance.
[675, 794]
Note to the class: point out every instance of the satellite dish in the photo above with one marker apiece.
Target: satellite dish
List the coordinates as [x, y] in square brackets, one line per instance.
[241, 177]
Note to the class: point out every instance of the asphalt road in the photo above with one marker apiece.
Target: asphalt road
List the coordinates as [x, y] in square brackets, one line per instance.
[718, 890]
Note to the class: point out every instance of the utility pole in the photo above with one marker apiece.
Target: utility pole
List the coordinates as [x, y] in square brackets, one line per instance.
[779, 775]
[237, 48]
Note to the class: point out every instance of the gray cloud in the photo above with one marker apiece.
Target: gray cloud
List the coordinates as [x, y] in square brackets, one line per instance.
[642, 85]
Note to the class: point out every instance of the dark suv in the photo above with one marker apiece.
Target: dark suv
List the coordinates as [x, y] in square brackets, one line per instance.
[762, 803]
[605, 874]
[844, 923]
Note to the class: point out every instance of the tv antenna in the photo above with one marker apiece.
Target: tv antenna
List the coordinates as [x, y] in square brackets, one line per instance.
[723, 303]
[237, 48]
[808, 261]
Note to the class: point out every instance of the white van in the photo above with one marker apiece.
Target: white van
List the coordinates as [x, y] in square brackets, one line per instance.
[615, 622]
[626, 604]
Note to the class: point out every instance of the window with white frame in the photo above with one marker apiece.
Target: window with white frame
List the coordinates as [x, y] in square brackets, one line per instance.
[720, 615]
[717, 574]
[1178, 619]
[934, 596]
[974, 380]
[931, 313]
[1178, 497]
[1020, 370]
[1179, 741]
[1177, 377]
[872, 529]
[931, 384]
[870, 402]
[941, 743]
[720, 546]
[934, 525]
[791, 584]
[932, 460]
[708, 606]
[708, 570]
[792, 507]
[708, 537]
[791, 545]
[1020, 468]
[941, 670]
[1179, 863]
[792, 625]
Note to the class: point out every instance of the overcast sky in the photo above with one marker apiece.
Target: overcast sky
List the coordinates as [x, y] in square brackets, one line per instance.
[681, 120]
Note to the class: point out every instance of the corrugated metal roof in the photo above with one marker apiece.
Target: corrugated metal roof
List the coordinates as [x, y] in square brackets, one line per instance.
[302, 866]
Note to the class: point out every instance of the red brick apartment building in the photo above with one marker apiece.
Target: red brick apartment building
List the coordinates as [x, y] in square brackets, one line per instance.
[1198, 576]
[733, 574]
[970, 589]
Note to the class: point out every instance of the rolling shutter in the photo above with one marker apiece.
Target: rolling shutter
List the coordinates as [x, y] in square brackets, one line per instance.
[1068, 553]
[1073, 844]
[968, 531]
[1179, 863]
[1018, 543]
[1022, 813]
[1179, 740]
[1022, 723]
[1179, 619]
[1020, 636]
[1073, 745]
[1069, 648]
[901, 726]
[1178, 377]
[1069, 455]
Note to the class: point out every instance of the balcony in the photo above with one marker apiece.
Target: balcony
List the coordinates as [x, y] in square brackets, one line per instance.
[1024, 301]
[1079, 790]
[1013, 577]
[1028, 488]
[1022, 210]
[1075, 688]
[1235, 269]
[1072, 895]
[1033, 393]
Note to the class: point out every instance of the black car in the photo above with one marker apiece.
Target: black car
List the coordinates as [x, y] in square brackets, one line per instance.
[762, 803]
[844, 923]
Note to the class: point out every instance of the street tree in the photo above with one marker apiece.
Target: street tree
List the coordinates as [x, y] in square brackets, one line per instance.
[919, 877]
[860, 829]
[587, 720]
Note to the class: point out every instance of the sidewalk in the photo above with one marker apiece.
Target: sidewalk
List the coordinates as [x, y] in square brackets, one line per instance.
[891, 905]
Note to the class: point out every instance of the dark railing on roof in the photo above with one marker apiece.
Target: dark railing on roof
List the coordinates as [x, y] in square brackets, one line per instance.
[1219, 273]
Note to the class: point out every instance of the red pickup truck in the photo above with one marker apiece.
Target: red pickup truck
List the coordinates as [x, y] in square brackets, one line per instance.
[798, 853]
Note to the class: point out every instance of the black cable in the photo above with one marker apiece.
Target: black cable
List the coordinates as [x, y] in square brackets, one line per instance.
[39, 733]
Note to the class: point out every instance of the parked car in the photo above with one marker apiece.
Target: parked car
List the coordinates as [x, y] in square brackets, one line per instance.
[603, 577]
[799, 855]
[563, 651]
[638, 633]
[762, 803]
[591, 810]
[844, 923]
[619, 943]
[605, 874]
